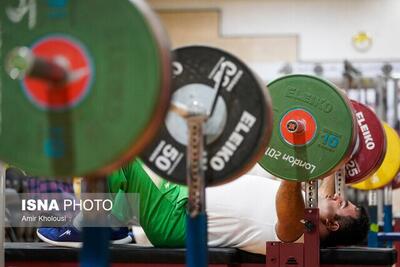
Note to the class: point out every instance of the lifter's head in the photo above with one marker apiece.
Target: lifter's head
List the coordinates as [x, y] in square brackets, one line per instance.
[341, 222]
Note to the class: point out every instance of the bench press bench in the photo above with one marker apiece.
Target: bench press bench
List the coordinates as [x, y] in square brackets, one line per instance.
[44, 255]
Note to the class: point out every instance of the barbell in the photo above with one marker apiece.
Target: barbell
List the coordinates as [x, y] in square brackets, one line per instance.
[91, 94]
[81, 95]
[317, 129]
[81, 112]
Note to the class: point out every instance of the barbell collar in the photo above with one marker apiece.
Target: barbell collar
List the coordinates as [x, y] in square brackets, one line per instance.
[21, 62]
[295, 126]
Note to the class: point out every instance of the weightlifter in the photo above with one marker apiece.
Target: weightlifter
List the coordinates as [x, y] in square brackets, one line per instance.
[244, 213]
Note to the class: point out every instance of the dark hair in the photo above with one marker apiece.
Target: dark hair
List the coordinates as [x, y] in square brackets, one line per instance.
[352, 231]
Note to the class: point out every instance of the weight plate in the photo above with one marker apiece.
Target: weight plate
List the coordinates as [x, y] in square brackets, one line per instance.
[390, 165]
[114, 100]
[42, 93]
[236, 133]
[372, 145]
[315, 132]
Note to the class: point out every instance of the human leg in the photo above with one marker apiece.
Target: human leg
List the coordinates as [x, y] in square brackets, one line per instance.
[162, 205]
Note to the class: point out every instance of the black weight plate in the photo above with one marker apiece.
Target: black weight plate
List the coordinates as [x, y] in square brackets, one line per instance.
[237, 132]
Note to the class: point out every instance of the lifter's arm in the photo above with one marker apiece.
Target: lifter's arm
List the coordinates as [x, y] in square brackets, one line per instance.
[327, 186]
[289, 204]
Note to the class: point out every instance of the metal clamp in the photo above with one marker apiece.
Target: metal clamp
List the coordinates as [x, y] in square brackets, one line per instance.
[312, 194]
[195, 172]
[340, 182]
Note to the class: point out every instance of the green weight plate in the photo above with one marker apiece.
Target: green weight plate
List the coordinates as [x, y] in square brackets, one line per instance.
[314, 130]
[116, 95]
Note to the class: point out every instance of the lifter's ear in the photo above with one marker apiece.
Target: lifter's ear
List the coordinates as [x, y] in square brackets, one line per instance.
[332, 225]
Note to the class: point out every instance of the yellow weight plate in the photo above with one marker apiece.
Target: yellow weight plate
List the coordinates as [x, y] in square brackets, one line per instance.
[390, 165]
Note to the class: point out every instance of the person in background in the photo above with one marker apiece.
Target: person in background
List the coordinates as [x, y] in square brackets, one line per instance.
[21, 183]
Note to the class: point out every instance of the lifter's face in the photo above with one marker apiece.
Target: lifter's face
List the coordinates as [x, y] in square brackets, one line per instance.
[336, 205]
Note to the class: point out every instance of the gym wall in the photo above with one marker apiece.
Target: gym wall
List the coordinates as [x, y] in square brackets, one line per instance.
[324, 36]
[204, 27]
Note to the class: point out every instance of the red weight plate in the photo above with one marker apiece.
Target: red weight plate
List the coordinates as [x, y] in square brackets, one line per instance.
[75, 59]
[372, 145]
[298, 127]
